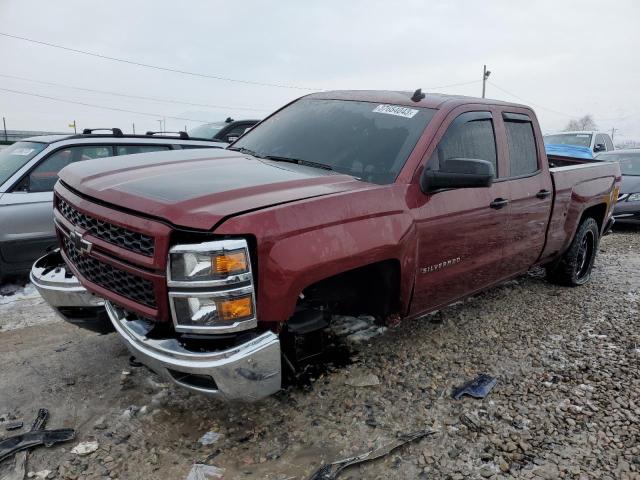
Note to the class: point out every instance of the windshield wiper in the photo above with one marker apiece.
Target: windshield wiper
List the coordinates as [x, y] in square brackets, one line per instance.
[248, 151]
[306, 163]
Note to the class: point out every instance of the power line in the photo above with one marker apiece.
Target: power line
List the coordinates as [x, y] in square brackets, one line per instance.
[555, 111]
[222, 107]
[530, 102]
[157, 67]
[156, 115]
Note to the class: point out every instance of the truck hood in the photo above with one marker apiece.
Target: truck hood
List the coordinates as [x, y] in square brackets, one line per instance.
[199, 188]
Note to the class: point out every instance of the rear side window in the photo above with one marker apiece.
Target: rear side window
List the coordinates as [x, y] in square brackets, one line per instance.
[470, 135]
[44, 176]
[523, 155]
[131, 149]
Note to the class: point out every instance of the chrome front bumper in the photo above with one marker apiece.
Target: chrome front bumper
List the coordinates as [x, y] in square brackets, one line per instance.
[249, 371]
[62, 291]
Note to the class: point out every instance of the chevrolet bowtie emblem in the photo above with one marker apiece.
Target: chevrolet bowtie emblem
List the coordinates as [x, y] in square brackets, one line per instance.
[82, 245]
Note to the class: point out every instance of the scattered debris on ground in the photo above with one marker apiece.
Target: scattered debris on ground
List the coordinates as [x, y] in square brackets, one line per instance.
[332, 470]
[85, 448]
[204, 472]
[479, 387]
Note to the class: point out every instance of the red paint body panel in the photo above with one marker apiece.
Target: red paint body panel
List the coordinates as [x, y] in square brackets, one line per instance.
[309, 225]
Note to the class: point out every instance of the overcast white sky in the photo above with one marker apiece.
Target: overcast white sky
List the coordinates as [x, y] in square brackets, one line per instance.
[565, 58]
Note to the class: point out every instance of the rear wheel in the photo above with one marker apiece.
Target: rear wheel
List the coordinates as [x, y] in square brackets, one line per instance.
[575, 266]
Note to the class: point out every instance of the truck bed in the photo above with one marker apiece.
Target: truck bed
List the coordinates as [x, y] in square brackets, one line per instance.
[578, 184]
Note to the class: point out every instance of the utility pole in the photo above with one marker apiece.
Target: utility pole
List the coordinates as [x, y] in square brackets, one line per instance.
[613, 131]
[4, 124]
[160, 124]
[134, 127]
[485, 76]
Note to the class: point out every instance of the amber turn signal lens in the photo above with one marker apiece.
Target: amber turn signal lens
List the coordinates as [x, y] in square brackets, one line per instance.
[229, 263]
[236, 308]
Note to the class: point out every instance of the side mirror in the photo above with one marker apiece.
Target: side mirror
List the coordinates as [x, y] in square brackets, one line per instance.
[458, 173]
[599, 147]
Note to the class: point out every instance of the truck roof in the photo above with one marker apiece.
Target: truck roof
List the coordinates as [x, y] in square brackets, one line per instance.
[397, 97]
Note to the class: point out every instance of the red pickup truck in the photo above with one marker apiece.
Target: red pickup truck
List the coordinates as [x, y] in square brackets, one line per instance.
[221, 268]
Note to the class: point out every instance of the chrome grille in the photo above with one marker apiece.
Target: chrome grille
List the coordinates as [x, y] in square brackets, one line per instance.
[119, 236]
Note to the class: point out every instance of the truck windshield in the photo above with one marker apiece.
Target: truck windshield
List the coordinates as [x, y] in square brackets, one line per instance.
[15, 156]
[208, 130]
[577, 139]
[370, 141]
[629, 162]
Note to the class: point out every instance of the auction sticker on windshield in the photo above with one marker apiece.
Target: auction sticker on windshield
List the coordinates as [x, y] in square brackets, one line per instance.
[396, 110]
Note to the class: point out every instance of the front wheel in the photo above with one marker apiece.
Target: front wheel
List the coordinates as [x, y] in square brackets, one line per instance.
[575, 266]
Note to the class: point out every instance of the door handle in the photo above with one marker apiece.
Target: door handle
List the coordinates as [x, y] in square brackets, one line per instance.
[543, 194]
[499, 203]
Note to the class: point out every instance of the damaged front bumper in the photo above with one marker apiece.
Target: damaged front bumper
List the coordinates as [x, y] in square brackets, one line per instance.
[70, 300]
[248, 371]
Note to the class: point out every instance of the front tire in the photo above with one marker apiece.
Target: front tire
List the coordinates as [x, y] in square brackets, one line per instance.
[575, 266]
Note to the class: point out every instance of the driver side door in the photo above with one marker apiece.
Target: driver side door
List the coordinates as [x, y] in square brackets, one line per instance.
[461, 232]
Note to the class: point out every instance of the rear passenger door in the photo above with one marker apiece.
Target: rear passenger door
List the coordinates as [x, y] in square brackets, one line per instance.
[530, 194]
[460, 231]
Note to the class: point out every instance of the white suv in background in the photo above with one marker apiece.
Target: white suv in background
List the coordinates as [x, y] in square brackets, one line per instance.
[29, 169]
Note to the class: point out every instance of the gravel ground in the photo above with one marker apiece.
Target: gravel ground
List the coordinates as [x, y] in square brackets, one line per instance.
[567, 402]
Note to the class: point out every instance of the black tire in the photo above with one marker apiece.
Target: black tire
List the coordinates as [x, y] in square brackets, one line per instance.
[575, 266]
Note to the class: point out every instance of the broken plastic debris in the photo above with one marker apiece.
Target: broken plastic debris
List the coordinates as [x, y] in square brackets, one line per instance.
[18, 444]
[331, 471]
[16, 425]
[209, 438]
[200, 471]
[479, 387]
[85, 448]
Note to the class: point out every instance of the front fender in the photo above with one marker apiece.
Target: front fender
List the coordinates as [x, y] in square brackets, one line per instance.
[300, 244]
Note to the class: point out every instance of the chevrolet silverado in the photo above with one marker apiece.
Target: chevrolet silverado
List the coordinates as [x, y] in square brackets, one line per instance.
[221, 269]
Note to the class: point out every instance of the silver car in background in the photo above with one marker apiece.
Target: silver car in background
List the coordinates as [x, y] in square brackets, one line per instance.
[29, 169]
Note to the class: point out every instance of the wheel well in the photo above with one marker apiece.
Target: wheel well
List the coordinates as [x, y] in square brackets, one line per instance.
[373, 289]
[597, 212]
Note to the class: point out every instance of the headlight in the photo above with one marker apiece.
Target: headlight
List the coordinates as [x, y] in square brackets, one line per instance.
[210, 263]
[207, 311]
[634, 197]
[211, 287]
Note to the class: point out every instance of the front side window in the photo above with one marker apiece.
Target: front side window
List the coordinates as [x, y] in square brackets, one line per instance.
[16, 156]
[470, 135]
[44, 176]
[523, 155]
[367, 140]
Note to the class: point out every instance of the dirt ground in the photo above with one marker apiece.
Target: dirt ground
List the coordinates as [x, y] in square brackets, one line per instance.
[567, 402]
